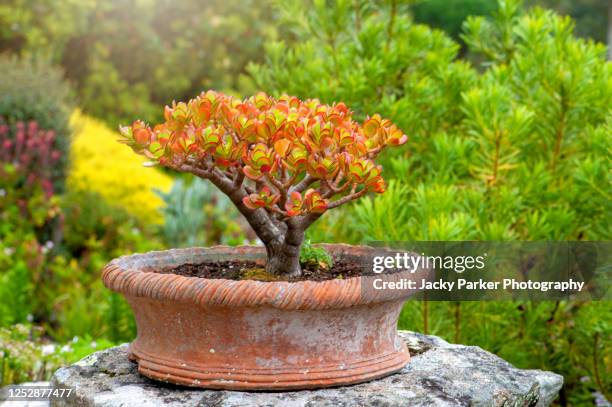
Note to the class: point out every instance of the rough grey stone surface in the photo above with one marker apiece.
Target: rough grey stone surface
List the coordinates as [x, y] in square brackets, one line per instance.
[439, 374]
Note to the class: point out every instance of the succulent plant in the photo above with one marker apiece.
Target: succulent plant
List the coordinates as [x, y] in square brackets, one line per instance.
[283, 162]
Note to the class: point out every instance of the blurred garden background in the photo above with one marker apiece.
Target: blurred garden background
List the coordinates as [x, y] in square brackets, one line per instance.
[508, 106]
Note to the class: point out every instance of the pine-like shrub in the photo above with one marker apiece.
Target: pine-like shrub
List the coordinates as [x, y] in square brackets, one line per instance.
[513, 145]
[374, 59]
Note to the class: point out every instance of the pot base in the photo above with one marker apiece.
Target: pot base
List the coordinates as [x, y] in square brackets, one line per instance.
[210, 377]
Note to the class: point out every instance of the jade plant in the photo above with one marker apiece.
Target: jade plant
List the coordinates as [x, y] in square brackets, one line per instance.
[282, 162]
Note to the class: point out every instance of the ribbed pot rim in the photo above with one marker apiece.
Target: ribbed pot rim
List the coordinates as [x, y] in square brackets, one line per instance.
[135, 275]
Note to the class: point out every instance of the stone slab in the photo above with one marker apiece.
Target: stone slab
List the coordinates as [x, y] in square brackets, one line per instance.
[439, 374]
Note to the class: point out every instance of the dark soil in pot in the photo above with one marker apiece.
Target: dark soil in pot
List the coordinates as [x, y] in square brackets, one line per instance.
[248, 270]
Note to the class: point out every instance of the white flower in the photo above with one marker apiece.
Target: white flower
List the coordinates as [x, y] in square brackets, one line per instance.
[30, 317]
[66, 349]
[9, 251]
[94, 344]
[48, 349]
[2, 192]
[47, 246]
[75, 339]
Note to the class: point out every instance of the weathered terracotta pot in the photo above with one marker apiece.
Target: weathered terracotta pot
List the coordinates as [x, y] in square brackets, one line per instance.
[251, 335]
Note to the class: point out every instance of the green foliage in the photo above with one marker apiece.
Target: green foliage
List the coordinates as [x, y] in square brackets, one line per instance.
[15, 291]
[448, 15]
[33, 90]
[516, 148]
[183, 214]
[58, 285]
[315, 257]
[513, 143]
[127, 58]
[559, 91]
[25, 355]
[569, 338]
[24, 212]
[95, 232]
[374, 61]
[93, 227]
[591, 16]
[197, 214]
[514, 151]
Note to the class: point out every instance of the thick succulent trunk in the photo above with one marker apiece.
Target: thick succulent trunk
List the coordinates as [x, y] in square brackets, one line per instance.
[284, 254]
[283, 240]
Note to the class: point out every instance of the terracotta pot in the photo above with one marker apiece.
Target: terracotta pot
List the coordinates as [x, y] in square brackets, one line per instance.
[251, 335]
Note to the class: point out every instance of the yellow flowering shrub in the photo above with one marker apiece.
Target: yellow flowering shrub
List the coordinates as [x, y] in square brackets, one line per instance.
[100, 164]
